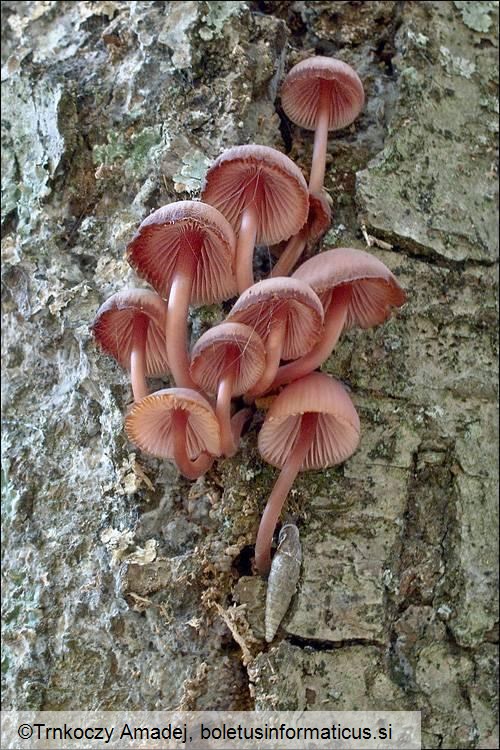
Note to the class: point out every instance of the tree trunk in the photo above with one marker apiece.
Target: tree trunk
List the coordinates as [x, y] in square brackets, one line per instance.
[119, 573]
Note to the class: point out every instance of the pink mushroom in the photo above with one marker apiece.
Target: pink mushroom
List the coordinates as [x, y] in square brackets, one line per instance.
[228, 360]
[321, 94]
[356, 289]
[186, 252]
[179, 424]
[318, 220]
[312, 424]
[130, 326]
[263, 194]
[288, 317]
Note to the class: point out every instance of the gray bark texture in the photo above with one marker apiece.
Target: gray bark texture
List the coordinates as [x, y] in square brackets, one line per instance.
[129, 587]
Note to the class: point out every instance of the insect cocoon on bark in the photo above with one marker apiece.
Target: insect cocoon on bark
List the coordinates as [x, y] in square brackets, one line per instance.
[283, 578]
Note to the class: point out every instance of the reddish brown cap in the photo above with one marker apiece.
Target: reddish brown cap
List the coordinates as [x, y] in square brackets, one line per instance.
[186, 226]
[264, 177]
[149, 423]
[208, 358]
[302, 88]
[264, 301]
[374, 289]
[337, 431]
[114, 323]
[319, 217]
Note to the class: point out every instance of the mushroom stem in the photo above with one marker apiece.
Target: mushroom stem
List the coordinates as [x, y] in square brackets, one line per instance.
[335, 318]
[189, 468]
[280, 491]
[317, 176]
[138, 357]
[177, 314]
[274, 349]
[290, 255]
[245, 247]
[223, 407]
[238, 422]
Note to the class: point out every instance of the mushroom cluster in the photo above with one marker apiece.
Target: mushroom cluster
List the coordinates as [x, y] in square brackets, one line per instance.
[280, 329]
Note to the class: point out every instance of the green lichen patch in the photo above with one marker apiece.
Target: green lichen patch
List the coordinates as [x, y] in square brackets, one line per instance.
[137, 155]
[476, 15]
[34, 146]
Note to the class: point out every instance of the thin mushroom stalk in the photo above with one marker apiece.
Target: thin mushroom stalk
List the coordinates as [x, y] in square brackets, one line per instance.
[230, 431]
[290, 255]
[138, 357]
[177, 315]
[335, 318]
[191, 469]
[317, 176]
[274, 349]
[245, 247]
[280, 491]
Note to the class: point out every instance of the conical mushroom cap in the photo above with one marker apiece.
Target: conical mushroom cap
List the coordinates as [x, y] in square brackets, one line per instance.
[186, 227]
[309, 80]
[374, 288]
[208, 358]
[337, 431]
[265, 300]
[149, 423]
[264, 177]
[114, 323]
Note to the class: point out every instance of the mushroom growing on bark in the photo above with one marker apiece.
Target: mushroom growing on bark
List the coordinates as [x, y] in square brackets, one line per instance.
[186, 252]
[312, 424]
[130, 326]
[287, 315]
[356, 289]
[321, 94]
[263, 194]
[318, 220]
[228, 360]
[176, 423]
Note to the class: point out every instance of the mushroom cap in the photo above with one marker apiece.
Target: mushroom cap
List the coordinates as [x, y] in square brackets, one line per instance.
[337, 430]
[182, 227]
[319, 217]
[114, 323]
[374, 289]
[149, 423]
[302, 88]
[208, 358]
[259, 305]
[264, 177]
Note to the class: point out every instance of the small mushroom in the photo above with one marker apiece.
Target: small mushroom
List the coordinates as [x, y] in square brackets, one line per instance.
[318, 220]
[287, 315]
[228, 360]
[312, 424]
[321, 94]
[356, 289]
[263, 194]
[130, 326]
[179, 424]
[186, 252]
